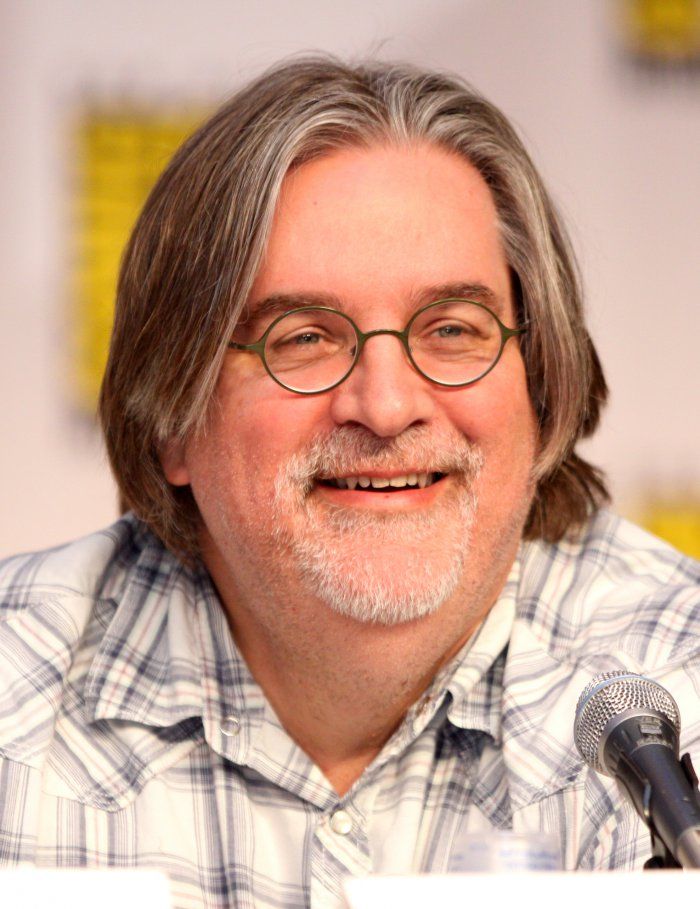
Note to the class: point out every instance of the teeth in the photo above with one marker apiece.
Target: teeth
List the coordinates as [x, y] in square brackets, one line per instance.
[421, 480]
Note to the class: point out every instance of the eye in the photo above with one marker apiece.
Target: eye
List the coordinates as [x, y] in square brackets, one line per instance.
[451, 331]
[306, 337]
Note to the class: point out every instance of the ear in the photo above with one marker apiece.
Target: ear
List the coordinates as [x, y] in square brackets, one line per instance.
[174, 462]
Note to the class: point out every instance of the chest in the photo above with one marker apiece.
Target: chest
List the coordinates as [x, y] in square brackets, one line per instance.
[235, 836]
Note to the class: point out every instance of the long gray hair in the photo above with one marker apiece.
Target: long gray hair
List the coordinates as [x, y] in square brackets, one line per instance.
[196, 248]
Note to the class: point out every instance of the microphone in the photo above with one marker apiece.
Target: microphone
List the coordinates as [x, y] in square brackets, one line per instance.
[628, 727]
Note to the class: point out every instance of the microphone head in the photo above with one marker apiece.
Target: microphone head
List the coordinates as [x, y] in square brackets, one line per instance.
[607, 696]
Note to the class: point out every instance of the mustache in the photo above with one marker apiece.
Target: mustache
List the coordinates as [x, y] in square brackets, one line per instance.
[354, 450]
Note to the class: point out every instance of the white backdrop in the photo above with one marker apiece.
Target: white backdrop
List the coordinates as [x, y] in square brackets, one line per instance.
[619, 151]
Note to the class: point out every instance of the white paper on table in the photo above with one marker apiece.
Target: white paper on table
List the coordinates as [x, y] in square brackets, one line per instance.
[539, 890]
[80, 888]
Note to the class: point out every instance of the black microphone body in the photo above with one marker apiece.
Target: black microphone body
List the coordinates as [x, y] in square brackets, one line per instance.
[638, 745]
[642, 754]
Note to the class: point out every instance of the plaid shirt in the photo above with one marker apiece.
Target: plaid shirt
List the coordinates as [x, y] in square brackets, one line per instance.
[132, 733]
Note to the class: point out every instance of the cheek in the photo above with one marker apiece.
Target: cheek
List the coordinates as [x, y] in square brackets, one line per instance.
[253, 433]
[271, 428]
[493, 414]
[497, 416]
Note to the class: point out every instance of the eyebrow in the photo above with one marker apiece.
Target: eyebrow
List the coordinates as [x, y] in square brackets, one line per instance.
[276, 304]
[461, 290]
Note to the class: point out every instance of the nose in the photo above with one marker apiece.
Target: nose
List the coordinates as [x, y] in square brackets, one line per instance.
[384, 393]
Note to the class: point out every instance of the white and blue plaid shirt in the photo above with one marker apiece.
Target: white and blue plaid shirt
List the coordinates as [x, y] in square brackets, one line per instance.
[133, 735]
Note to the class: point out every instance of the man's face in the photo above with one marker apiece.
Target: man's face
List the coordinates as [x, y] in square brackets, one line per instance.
[376, 233]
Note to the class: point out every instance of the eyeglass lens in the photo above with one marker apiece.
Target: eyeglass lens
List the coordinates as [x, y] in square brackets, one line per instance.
[452, 343]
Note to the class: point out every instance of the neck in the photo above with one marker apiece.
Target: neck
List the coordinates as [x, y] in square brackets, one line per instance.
[338, 686]
[341, 691]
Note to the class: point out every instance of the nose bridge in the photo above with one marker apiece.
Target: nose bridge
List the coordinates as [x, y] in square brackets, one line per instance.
[382, 331]
[384, 392]
[365, 336]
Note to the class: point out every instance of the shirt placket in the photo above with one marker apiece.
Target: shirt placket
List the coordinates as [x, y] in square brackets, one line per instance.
[339, 849]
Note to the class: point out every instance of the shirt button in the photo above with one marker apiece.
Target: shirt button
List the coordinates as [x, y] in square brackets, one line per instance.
[341, 823]
[230, 726]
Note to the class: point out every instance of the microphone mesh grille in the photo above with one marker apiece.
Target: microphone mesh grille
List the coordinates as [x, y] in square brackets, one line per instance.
[608, 695]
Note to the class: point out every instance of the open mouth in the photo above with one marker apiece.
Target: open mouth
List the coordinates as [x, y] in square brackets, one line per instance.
[383, 484]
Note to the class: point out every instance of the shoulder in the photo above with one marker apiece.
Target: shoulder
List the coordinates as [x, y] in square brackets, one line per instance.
[49, 597]
[616, 588]
[616, 598]
[76, 568]
[54, 606]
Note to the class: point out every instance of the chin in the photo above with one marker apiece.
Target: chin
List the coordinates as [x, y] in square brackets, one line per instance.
[383, 573]
[375, 597]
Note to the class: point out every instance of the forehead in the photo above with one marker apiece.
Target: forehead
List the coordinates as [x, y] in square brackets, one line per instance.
[381, 226]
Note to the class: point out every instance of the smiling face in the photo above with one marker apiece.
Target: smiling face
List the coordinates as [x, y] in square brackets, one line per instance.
[387, 496]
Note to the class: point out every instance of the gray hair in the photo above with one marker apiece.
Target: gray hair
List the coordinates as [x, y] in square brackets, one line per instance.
[197, 246]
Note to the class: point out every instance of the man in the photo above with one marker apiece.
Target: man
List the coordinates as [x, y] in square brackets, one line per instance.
[364, 576]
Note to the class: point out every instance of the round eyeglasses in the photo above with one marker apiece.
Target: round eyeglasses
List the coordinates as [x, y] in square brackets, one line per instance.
[314, 348]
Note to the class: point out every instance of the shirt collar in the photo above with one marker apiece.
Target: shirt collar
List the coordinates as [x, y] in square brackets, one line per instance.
[167, 653]
[476, 681]
[468, 691]
[471, 684]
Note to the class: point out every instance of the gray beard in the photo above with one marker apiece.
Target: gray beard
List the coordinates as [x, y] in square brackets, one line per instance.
[430, 547]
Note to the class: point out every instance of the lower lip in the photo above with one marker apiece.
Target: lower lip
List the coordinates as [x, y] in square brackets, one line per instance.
[399, 500]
